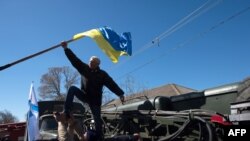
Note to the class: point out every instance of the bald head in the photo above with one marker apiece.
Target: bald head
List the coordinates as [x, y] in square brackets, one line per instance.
[94, 62]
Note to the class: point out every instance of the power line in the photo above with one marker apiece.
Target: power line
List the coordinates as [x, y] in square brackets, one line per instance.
[204, 8]
[190, 17]
[197, 36]
[214, 26]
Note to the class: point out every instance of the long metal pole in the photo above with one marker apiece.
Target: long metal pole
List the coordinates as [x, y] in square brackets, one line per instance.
[31, 56]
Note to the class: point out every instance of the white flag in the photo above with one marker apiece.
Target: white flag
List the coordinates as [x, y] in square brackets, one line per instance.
[33, 121]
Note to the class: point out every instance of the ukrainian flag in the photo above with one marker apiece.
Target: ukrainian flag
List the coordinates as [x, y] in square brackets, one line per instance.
[112, 44]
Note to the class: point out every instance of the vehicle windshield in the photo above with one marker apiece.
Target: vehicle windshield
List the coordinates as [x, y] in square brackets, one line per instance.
[48, 123]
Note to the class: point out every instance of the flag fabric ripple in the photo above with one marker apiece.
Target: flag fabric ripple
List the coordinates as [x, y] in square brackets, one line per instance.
[112, 44]
[33, 117]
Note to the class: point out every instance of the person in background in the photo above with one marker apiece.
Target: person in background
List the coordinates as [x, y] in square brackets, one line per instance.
[68, 128]
[92, 81]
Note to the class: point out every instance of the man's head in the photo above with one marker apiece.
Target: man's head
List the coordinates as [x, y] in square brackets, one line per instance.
[94, 62]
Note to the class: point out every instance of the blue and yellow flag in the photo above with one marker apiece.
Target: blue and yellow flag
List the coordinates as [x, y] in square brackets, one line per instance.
[110, 42]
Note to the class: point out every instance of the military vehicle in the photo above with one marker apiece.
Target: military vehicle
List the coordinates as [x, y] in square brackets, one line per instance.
[205, 115]
[197, 116]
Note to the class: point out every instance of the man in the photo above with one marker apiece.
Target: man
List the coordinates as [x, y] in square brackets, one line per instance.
[92, 82]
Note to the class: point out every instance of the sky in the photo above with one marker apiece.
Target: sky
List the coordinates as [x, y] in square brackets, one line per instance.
[198, 44]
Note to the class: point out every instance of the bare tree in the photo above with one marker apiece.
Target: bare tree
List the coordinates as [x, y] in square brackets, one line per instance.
[107, 96]
[129, 85]
[7, 117]
[131, 88]
[56, 82]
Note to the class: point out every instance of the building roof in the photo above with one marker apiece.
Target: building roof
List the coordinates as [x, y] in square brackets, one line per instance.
[165, 90]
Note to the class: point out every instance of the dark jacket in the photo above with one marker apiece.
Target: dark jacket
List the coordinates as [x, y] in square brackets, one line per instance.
[92, 81]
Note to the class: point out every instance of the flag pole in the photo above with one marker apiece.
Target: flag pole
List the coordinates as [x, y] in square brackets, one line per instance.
[32, 55]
